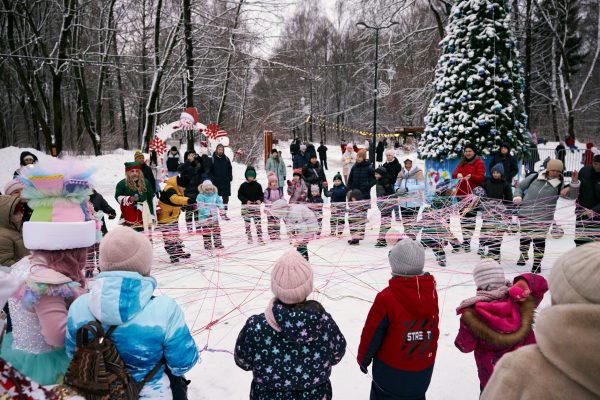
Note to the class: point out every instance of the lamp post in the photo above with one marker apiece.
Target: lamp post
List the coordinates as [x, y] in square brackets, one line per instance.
[376, 29]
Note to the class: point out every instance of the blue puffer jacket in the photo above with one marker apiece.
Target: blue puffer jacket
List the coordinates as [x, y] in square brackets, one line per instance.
[147, 328]
[296, 362]
[208, 206]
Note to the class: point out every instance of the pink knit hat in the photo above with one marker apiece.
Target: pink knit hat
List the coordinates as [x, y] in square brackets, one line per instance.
[291, 278]
[271, 177]
[123, 249]
[12, 186]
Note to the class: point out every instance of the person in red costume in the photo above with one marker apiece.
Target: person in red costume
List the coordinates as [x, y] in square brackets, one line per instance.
[471, 172]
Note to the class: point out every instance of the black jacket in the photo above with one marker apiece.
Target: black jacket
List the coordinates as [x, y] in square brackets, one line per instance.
[172, 162]
[510, 164]
[250, 191]
[498, 189]
[310, 150]
[194, 171]
[379, 151]
[361, 177]
[392, 168]
[589, 191]
[221, 174]
[100, 204]
[322, 150]
[313, 175]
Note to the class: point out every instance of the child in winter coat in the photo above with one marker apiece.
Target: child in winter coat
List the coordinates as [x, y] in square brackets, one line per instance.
[384, 189]
[499, 319]
[300, 221]
[337, 193]
[291, 347]
[209, 203]
[401, 332]
[357, 216]
[272, 193]
[316, 204]
[297, 188]
[251, 195]
[498, 196]
[410, 186]
[149, 329]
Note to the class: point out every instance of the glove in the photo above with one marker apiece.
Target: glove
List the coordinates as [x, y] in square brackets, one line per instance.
[517, 200]
[520, 290]
[112, 216]
[401, 190]
[191, 201]
[134, 198]
[290, 183]
[364, 369]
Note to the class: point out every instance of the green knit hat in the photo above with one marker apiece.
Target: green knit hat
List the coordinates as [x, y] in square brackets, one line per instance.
[337, 176]
[132, 165]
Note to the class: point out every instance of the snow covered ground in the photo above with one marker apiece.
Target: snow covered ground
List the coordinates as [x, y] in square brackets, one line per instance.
[219, 291]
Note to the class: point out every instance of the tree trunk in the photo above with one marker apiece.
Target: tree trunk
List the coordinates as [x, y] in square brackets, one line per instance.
[528, 45]
[228, 65]
[188, 73]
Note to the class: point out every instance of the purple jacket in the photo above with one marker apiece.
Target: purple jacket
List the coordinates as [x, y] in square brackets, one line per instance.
[491, 332]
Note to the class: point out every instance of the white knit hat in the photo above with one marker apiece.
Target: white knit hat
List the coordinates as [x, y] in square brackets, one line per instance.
[575, 277]
[488, 275]
[407, 258]
[291, 278]
[123, 249]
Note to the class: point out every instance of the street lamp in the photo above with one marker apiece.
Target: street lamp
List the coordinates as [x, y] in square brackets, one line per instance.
[376, 29]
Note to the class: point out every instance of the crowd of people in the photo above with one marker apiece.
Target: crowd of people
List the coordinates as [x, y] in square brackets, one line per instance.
[51, 225]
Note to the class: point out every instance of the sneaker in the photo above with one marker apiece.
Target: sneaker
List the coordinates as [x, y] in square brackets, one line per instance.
[466, 246]
[380, 243]
[219, 246]
[481, 252]
[536, 270]
[174, 259]
[522, 261]
[455, 247]
[261, 242]
[185, 255]
[249, 240]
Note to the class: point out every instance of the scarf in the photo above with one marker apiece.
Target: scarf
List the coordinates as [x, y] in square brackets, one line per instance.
[486, 296]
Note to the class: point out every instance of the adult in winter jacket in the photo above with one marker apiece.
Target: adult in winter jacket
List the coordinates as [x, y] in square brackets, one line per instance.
[195, 173]
[294, 147]
[508, 161]
[379, 151]
[99, 203]
[276, 165]
[564, 364]
[322, 150]
[310, 149]
[135, 197]
[471, 172]
[348, 161]
[499, 319]
[384, 188]
[292, 346]
[361, 175]
[410, 185]
[301, 158]
[392, 165]
[12, 248]
[338, 205]
[588, 203]
[560, 152]
[26, 158]
[221, 175]
[172, 161]
[313, 174]
[171, 201]
[400, 335]
[145, 168]
[148, 329]
[498, 196]
[536, 197]
[588, 156]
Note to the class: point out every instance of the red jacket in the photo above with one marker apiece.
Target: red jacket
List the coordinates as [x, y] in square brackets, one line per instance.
[402, 326]
[476, 168]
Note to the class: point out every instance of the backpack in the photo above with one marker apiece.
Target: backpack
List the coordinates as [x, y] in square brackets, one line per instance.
[98, 372]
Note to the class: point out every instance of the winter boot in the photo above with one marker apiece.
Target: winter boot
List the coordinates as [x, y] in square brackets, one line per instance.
[455, 246]
[354, 242]
[522, 260]
[381, 243]
[440, 257]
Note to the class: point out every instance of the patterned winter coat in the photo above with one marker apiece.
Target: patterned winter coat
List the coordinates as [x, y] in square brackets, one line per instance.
[411, 185]
[298, 191]
[540, 196]
[295, 363]
[171, 200]
[132, 213]
[147, 328]
[12, 248]
[400, 336]
[208, 206]
[490, 332]
[272, 195]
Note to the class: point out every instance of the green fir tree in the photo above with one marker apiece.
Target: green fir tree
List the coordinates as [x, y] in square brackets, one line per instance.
[478, 85]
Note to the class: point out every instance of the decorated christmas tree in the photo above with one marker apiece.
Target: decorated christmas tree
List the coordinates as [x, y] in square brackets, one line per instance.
[478, 85]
